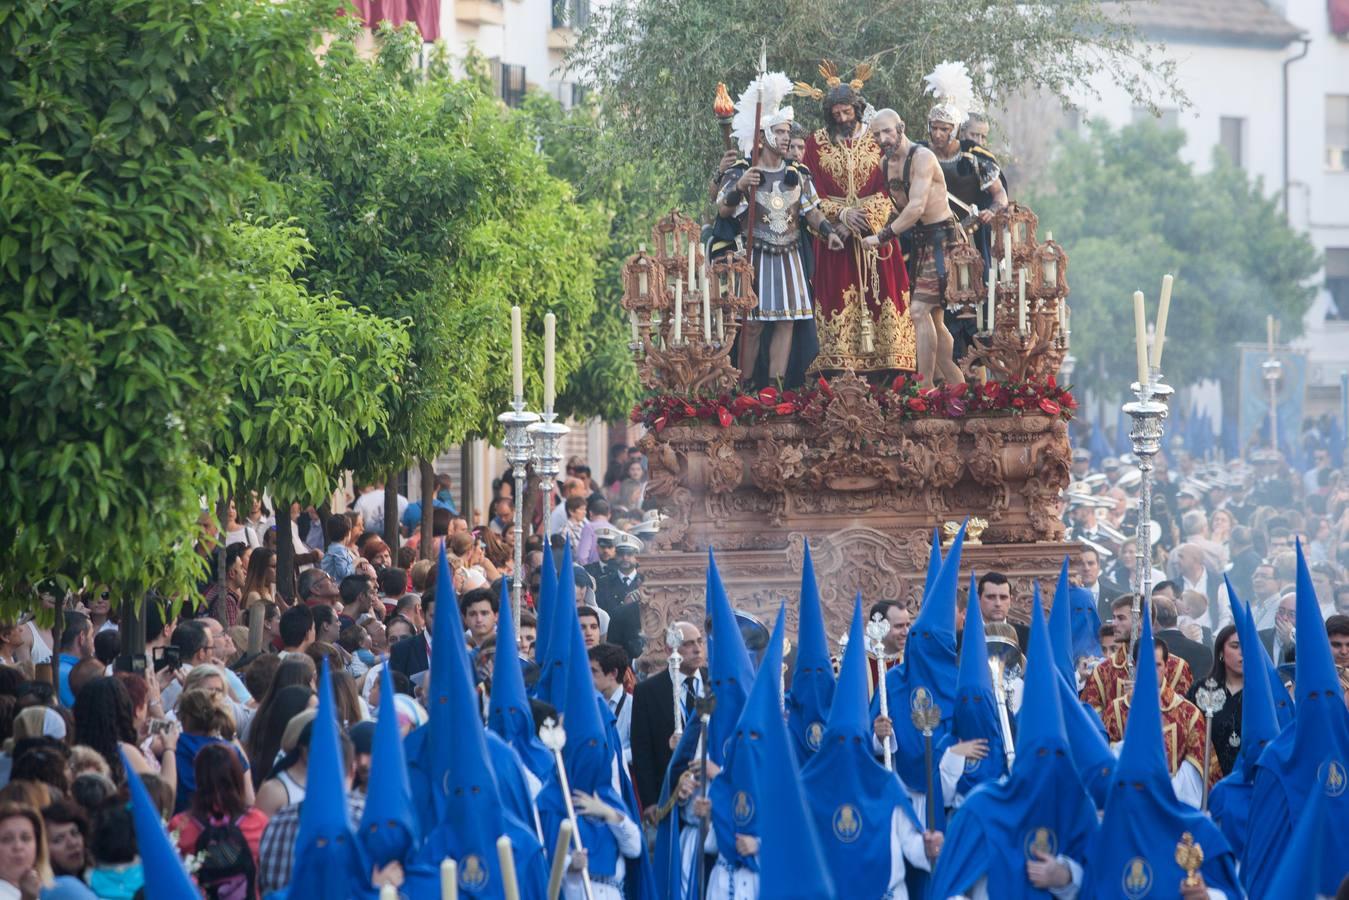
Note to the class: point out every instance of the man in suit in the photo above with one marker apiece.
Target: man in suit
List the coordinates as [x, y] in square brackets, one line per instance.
[1092, 579]
[995, 601]
[653, 716]
[412, 655]
[1196, 655]
[1280, 639]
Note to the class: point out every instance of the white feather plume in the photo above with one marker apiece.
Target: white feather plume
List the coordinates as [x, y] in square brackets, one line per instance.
[776, 87]
[951, 86]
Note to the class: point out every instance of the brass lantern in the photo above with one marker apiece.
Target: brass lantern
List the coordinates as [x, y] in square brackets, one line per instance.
[1051, 271]
[671, 238]
[1018, 223]
[964, 276]
[644, 283]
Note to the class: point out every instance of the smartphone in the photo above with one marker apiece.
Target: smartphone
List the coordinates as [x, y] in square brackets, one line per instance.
[160, 726]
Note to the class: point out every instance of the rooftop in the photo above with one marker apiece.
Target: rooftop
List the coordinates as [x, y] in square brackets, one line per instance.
[1242, 22]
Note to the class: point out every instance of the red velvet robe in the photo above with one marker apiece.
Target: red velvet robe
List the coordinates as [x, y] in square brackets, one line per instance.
[1182, 732]
[1111, 679]
[861, 296]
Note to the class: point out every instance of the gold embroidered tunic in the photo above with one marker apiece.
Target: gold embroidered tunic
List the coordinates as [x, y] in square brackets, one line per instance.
[861, 295]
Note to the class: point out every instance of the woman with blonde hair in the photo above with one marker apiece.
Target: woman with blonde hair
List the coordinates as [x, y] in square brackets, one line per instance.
[25, 868]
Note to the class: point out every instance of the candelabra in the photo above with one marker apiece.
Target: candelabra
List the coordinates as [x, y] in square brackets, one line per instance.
[519, 449]
[548, 435]
[1148, 413]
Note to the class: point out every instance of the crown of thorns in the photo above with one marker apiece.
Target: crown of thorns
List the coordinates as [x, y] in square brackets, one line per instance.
[829, 72]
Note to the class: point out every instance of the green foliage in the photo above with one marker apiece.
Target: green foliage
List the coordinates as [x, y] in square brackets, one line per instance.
[628, 200]
[126, 133]
[656, 64]
[425, 201]
[316, 376]
[1128, 210]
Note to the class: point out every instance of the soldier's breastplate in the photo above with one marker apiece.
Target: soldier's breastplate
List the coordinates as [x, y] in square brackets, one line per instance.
[962, 179]
[777, 213]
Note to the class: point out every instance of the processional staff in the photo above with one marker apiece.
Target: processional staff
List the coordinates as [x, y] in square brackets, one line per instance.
[554, 737]
[1209, 698]
[876, 631]
[673, 638]
[925, 715]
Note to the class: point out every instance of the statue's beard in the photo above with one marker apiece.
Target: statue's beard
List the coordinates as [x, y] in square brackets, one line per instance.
[838, 130]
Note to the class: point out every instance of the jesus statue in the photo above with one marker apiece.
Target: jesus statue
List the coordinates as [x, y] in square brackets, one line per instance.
[861, 293]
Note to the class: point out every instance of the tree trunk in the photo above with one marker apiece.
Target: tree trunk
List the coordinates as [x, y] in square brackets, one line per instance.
[222, 509]
[426, 551]
[391, 513]
[285, 550]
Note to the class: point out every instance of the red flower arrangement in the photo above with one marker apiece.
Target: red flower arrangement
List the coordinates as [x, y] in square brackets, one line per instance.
[903, 397]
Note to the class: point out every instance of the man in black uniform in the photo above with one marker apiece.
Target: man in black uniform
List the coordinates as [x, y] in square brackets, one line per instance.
[619, 593]
[973, 176]
[606, 536]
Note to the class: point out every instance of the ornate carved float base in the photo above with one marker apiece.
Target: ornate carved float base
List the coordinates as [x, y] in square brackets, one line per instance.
[866, 489]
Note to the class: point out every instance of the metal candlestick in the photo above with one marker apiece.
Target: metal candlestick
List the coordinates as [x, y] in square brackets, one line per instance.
[548, 436]
[1272, 370]
[876, 630]
[1210, 698]
[1148, 413]
[519, 449]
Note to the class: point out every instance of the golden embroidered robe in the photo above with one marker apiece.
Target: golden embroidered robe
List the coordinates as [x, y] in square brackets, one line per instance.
[861, 296]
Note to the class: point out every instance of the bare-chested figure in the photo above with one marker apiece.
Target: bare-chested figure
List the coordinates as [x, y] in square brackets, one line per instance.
[918, 192]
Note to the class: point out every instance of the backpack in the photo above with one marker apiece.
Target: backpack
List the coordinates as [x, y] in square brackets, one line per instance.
[227, 870]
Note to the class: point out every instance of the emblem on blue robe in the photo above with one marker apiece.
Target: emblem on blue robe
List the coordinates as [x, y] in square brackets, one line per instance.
[1137, 880]
[744, 808]
[1040, 841]
[1331, 774]
[847, 823]
[814, 734]
[472, 873]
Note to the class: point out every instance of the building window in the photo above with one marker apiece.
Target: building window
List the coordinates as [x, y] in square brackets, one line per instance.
[512, 84]
[1337, 132]
[1337, 280]
[1165, 118]
[578, 94]
[1232, 137]
[571, 13]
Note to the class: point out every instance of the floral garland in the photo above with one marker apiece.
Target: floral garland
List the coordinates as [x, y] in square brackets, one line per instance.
[903, 397]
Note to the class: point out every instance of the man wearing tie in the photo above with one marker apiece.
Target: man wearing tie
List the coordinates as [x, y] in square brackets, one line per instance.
[653, 717]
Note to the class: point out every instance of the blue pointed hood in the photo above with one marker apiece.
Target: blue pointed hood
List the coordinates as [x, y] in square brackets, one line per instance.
[1136, 843]
[453, 760]
[159, 857]
[813, 678]
[1259, 660]
[551, 686]
[929, 666]
[1259, 721]
[1041, 805]
[1313, 750]
[1230, 800]
[730, 671]
[1061, 625]
[546, 602]
[852, 796]
[1298, 874]
[976, 706]
[759, 792]
[1086, 623]
[329, 861]
[389, 830]
[508, 712]
[672, 878]
[587, 754]
[934, 561]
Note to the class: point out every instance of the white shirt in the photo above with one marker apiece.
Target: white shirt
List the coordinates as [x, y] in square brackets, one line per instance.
[1068, 892]
[620, 704]
[241, 535]
[906, 844]
[371, 507]
[42, 652]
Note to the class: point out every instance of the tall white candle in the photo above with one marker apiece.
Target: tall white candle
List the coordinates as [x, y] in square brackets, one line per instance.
[992, 294]
[549, 333]
[707, 318]
[1141, 337]
[693, 262]
[721, 331]
[641, 283]
[449, 880]
[1160, 338]
[632, 320]
[1007, 249]
[979, 316]
[1021, 300]
[679, 310]
[1269, 334]
[517, 361]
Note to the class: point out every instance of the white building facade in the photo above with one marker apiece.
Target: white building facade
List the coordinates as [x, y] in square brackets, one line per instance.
[1269, 84]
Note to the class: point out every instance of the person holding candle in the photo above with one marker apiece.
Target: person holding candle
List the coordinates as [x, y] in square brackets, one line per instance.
[784, 194]
[918, 191]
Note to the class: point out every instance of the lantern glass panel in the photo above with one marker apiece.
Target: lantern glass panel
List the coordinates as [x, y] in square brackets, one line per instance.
[1020, 232]
[963, 275]
[1050, 278]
